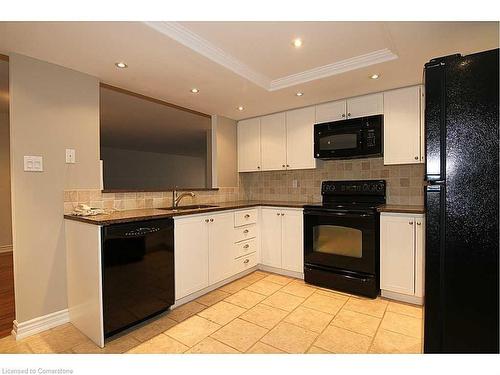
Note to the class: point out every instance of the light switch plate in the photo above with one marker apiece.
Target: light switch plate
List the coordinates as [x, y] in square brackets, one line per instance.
[70, 156]
[33, 164]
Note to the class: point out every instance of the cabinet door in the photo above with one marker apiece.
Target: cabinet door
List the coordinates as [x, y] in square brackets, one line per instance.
[397, 253]
[273, 142]
[300, 138]
[220, 250]
[419, 255]
[402, 134]
[367, 105]
[292, 252]
[191, 256]
[271, 237]
[332, 111]
[249, 145]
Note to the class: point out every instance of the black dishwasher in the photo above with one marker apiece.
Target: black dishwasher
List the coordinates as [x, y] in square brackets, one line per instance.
[137, 272]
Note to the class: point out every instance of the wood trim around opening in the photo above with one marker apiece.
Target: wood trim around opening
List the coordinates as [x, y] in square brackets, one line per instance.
[4, 57]
[153, 100]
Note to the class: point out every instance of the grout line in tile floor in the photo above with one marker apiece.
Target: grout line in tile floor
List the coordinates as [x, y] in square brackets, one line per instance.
[258, 276]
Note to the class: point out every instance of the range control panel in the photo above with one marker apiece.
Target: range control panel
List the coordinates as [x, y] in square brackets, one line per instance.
[357, 187]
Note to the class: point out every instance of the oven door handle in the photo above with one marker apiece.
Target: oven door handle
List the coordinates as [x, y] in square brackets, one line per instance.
[339, 214]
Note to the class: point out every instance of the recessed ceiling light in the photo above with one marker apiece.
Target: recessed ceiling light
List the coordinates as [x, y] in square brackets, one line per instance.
[297, 42]
[374, 76]
[195, 91]
[240, 108]
[300, 93]
[121, 65]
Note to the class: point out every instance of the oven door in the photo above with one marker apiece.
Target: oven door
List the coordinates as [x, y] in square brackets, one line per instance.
[341, 240]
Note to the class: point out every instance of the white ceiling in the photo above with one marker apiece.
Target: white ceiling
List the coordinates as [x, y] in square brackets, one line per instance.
[230, 62]
[132, 123]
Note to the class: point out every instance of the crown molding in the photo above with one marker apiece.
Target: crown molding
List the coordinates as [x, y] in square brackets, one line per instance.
[329, 70]
[195, 42]
[191, 40]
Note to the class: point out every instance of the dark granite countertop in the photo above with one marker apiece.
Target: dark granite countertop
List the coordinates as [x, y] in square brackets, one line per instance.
[128, 216]
[411, 209]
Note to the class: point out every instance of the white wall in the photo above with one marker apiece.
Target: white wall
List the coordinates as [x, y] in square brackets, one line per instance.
[5, 208]
[226, 157]
[122, 169]
[51, 108]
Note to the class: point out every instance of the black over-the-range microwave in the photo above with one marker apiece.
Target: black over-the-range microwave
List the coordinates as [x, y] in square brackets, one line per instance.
[345, 139]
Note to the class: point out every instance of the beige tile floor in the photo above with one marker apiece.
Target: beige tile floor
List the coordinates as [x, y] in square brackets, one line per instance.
[259, 313]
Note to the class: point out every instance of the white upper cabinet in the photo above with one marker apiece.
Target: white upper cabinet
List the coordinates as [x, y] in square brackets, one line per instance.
[273, 142]
[300, 138]
[367, 105]
[249, 145]
[402, 126]
[332, 111]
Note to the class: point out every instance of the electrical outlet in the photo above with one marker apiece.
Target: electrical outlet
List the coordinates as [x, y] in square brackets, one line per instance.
[70, 156]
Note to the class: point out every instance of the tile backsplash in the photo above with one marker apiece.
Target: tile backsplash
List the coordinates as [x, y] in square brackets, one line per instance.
[130, 201]
[404, 186]
[404, 182]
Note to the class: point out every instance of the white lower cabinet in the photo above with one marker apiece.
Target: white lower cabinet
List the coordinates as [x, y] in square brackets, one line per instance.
[401, 256]
[282, 239]
[220, 249]
[191, 255]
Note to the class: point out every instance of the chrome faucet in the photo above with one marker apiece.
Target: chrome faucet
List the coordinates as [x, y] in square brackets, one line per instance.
[177, 198]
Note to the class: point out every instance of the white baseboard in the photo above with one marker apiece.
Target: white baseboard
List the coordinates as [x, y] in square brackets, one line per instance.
[5, 248]
[402, 297]
[280, 271]
[42, 323]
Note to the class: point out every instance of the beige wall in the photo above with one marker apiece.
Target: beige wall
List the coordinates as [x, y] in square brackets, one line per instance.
[5, 209]
[226, 155]
[51, 108]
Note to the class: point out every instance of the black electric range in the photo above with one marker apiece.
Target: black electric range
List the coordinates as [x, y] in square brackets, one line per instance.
[341, 237]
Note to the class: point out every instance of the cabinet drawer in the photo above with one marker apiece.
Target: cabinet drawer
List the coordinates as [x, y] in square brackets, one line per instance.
[245, 247]
[245, 262]
[245, 233]
[245, 217]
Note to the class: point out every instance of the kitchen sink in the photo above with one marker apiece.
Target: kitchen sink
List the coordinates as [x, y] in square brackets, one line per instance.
[190, 207]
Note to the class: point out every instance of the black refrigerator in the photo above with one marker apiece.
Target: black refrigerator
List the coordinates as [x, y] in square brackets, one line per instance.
[461, 199]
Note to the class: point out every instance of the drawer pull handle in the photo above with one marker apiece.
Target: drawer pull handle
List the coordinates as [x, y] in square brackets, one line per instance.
[206, 220]
[247, 216]
[245, 231]
[246, 261]
[419, 223]
[246, 246]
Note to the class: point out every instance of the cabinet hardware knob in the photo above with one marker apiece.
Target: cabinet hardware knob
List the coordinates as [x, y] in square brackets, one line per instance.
[349, 114]
[211, 220]
[258, 167]
[278, 214]
[282, 214]
[246, 261]
[419, 223]
[410, 222]
[247, 216]
[343, 114]
[416, 157]
[245, 231]
[246, 246]
[206, 220]
[288, 165]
